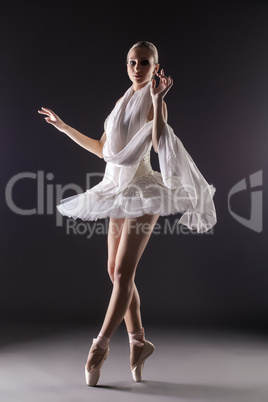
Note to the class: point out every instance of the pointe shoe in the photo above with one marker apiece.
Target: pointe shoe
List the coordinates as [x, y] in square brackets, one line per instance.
[147, 350]
[92, 376]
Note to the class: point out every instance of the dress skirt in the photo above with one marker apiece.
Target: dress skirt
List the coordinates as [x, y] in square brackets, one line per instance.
[145, 194]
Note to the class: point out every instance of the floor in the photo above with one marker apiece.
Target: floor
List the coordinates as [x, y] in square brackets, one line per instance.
[186, 366]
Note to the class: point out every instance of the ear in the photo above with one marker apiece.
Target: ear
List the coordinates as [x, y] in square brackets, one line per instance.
[156, 68]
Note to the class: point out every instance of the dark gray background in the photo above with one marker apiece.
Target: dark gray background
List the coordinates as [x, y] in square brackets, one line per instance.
[71, 58]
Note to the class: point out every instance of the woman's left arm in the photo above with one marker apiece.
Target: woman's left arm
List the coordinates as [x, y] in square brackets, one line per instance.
[159, 106]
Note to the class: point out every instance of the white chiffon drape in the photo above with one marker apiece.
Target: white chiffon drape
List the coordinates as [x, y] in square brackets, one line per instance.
[128, 141]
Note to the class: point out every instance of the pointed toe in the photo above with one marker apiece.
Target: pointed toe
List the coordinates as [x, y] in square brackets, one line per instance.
[92, 376]
[136, 371]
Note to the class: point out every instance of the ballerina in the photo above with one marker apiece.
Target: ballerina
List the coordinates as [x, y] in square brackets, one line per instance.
[133, 195]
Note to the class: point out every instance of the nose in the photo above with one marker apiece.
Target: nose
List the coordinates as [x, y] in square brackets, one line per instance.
[137, 67]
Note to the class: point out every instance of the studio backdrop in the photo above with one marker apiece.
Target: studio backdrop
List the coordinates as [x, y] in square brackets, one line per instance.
[71, 59]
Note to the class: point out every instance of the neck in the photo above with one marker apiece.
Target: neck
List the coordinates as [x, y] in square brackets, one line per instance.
[137, 87]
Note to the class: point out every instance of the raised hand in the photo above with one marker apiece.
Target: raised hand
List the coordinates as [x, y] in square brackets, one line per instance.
[163, 87]
[52, 118]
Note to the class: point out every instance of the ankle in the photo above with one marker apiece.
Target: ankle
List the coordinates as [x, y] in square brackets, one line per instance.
[101, 341]
[137, 338]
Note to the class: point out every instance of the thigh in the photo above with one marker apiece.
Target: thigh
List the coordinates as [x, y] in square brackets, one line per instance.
[135, 235]
[113, 239]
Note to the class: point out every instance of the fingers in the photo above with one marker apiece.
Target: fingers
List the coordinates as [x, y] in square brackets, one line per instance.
[170, 81]
[45, 111]
[161, 75]
[165, 80]
[48, 120]
[51, 116]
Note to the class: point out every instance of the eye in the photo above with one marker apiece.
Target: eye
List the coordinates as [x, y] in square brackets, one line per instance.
[132, 62]
[144, 62]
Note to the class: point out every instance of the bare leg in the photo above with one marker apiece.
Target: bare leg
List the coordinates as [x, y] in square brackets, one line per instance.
[133, 316]
[127, 240]
[134, 238]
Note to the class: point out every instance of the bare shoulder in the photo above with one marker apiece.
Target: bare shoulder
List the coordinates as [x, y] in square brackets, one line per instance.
[151, 112]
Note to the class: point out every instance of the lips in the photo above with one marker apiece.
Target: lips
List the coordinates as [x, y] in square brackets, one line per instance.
[137, 76]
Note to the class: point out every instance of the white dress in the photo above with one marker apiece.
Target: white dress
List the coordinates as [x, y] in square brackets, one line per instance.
[130, 187]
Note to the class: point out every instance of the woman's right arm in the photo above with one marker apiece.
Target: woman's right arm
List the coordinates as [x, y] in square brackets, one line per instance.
[91, 145]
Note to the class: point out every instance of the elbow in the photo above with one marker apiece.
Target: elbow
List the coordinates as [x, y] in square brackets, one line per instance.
[100, 151]
[101, 146]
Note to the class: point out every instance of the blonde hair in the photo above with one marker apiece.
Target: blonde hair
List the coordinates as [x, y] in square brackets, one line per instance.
[149, 46]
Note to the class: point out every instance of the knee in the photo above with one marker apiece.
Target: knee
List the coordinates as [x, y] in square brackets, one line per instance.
[123, 277]
[119, 274]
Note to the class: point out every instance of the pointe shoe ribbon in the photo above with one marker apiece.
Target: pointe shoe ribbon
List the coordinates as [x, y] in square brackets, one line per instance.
[147, 350]
[92, 376]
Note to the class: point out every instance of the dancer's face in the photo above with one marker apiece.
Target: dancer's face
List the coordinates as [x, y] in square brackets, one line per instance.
[141, 67]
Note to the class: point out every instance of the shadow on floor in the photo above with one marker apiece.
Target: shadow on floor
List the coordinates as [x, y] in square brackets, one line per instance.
[191, 391]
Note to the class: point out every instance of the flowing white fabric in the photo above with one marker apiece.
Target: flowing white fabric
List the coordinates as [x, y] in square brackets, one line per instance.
[128, 143]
